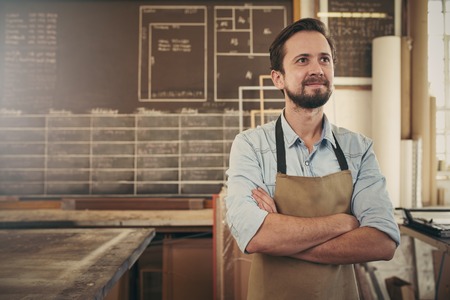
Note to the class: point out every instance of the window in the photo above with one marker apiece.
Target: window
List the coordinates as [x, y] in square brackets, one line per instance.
[439, 72]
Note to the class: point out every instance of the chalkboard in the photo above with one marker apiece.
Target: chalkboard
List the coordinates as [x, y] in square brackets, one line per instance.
[128, 97]
[353, 25]
[84, 56]
[150, 153]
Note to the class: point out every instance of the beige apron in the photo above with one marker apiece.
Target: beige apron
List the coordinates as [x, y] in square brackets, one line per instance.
[279, 277]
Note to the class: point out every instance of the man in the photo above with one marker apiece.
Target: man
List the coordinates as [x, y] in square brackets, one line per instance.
[305, 196]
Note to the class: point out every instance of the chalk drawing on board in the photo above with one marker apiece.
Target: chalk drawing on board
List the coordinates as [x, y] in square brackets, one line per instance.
[172, 54]
[125, 154]
[242, 38]
[30, 58]
[354, 24]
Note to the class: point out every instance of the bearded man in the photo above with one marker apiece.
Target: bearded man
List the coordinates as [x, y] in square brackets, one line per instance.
[305, 196]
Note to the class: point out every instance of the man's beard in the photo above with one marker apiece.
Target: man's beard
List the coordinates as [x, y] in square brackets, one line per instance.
[315, 100]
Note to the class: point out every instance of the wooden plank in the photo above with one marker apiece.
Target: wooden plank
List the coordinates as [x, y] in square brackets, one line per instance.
[133, 203]
[208, 203]
[67, 263]
[54, 218]
[32, 204]
[8, 198]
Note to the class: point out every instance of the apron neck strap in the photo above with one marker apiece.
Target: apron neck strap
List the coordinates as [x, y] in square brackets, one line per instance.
[281, 150]
[340, 155]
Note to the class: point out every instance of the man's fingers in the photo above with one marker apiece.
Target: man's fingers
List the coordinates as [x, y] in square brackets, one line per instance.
[266, 207]
[264, 201]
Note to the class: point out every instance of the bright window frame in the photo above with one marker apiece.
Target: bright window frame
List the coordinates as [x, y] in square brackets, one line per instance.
[439, 72]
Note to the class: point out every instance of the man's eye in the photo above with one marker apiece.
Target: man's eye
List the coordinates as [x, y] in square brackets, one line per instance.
[326, 59]
[302, 60]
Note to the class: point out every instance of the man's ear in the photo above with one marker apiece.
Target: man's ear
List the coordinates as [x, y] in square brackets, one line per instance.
[277, 79]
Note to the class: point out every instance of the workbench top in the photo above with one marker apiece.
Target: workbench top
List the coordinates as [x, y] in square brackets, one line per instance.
[67, 263]
[56, 218]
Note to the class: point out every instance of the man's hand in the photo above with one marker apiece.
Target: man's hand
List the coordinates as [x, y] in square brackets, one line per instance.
[265, 202]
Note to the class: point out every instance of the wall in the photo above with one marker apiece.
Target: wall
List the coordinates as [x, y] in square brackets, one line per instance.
[351, 109]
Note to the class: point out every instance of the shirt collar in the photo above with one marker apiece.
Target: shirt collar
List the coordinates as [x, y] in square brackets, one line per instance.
[291, 137]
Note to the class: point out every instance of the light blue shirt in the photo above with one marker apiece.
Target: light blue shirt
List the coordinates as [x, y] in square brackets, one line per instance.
[253, 164]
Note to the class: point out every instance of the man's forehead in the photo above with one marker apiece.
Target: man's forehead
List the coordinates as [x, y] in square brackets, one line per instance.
[308, 43]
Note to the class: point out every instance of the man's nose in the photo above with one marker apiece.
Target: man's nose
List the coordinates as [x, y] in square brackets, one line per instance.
[315, 68]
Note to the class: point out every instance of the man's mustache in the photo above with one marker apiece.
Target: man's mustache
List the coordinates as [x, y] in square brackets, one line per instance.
[315, 80]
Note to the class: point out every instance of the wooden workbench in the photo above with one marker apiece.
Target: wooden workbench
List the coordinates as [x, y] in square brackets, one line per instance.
[443, 245]
[67, 263]
[161, 220]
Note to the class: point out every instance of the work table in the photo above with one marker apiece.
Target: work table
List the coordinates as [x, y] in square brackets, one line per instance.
[80, 254]
[67, 263]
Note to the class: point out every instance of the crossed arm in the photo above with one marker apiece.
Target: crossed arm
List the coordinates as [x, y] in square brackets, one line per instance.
[334, 239]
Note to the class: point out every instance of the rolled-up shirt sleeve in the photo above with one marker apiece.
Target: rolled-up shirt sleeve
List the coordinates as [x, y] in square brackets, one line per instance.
[371, 203]
[243, 215]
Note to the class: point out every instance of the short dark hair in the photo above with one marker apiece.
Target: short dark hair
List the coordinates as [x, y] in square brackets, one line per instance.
[277, 50]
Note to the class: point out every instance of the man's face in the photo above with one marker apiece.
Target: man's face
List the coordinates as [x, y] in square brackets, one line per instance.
[308, 69]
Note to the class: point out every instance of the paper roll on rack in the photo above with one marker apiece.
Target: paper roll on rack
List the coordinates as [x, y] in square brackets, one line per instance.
[386, 110]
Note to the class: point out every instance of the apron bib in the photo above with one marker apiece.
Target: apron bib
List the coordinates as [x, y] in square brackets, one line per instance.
[280, 277]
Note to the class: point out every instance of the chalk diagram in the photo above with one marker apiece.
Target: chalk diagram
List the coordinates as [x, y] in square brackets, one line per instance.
[186, 55]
